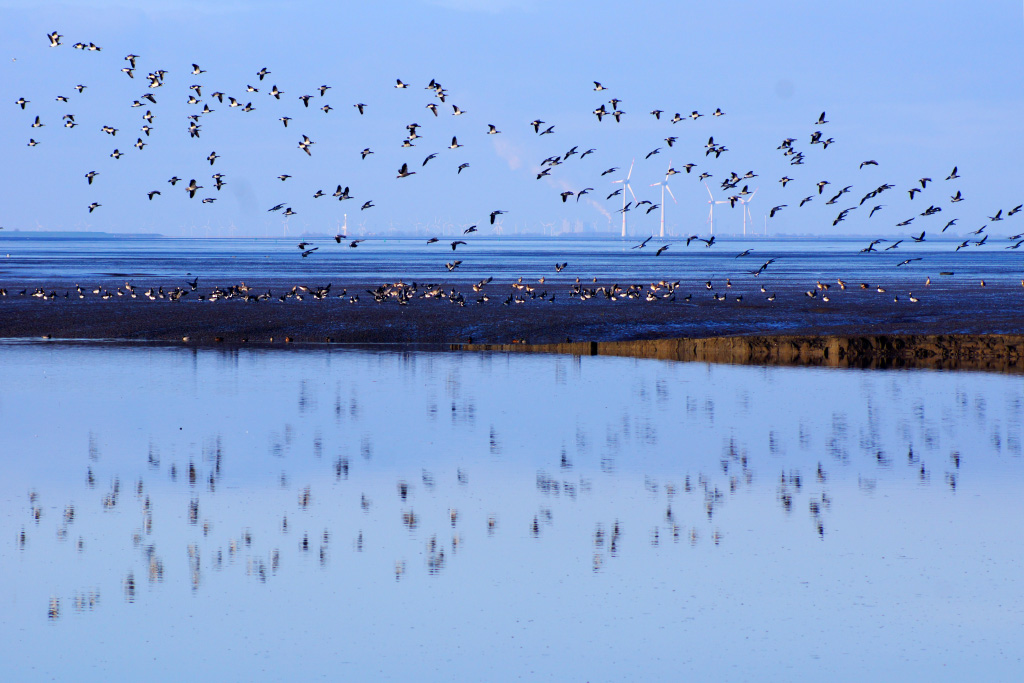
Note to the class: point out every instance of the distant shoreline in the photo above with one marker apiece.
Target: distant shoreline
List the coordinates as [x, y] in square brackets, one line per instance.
[950, 237]
[1002, 353]
[983, 352]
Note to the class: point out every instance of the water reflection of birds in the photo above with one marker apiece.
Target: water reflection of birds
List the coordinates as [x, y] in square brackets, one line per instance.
[676, 513]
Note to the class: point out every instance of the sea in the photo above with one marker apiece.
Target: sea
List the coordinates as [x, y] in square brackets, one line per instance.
[401, 514]
[30, 257]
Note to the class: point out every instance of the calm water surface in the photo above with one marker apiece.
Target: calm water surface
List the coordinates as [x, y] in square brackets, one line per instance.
[342, 514]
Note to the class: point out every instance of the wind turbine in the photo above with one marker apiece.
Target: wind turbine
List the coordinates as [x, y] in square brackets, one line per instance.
[746, 210]
[664, 186]
[711, 212]
[626, 186]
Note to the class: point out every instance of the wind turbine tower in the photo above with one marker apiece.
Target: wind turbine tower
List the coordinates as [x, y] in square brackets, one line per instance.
[711, 211]
[626, 186]
[664, 186]
[746, 211]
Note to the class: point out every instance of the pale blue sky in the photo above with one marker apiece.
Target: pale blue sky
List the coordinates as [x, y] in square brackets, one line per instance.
[919, 87]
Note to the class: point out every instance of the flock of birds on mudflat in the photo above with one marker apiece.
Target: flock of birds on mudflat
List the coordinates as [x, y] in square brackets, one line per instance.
[736, 186]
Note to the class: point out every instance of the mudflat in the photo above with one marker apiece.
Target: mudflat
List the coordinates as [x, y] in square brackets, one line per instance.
[349, 313]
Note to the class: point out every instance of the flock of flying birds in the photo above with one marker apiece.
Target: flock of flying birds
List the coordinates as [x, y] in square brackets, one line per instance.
[737, 186]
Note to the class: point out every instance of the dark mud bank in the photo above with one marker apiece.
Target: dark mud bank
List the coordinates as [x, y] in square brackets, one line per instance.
[986, 352]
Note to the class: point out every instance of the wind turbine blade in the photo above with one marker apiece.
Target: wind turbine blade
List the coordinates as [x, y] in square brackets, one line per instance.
[670, 194]
[753, 193]
[709, 192]
[631, 191]
[630, 168]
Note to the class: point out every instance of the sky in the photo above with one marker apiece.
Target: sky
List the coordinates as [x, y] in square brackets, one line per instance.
[917, 87]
